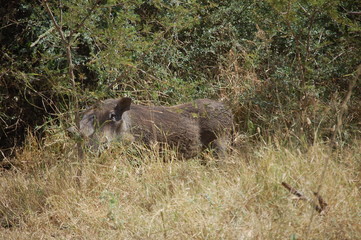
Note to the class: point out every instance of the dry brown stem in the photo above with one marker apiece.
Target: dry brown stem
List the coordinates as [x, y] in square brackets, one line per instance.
[319, 208]
[343, 108]
[321, 201]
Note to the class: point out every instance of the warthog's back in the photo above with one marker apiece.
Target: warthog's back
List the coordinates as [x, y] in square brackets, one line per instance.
[158, 124]
[214, 118]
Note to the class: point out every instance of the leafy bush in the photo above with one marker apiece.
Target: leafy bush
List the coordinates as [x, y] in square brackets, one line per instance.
[284, 65]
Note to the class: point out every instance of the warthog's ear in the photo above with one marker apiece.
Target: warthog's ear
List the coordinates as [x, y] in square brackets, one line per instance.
[123, 105]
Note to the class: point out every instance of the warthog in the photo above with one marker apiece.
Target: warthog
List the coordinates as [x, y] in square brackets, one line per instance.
[189, 127]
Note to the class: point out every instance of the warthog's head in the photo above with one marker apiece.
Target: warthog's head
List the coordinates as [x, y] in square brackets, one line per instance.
[104, 121]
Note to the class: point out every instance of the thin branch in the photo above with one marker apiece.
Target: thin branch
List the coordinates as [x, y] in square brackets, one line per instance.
[67, 45]
[57, 26]
[79, 25]
[42, 36]
[343, 107]
[354, 13]
[294, 191]
[310, 26]
[61, 11]
[321, 201]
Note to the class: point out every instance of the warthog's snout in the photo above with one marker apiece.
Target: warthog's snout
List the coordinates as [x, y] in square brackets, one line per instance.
[188, 127]
[72, 131]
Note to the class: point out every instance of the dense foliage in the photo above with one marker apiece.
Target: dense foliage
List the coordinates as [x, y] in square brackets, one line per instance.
[285, 66]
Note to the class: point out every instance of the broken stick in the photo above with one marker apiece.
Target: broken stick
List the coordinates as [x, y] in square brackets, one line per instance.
[319, 208]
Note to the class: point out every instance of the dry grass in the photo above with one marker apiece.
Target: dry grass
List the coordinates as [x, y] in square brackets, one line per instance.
[128, 193]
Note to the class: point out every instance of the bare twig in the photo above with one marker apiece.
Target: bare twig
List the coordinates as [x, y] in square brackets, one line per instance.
[293, 191]
[354, 13]
[67, 42]
[79, 25]
[301, 196]
[57, 26]
[42, 36]
[321, 201]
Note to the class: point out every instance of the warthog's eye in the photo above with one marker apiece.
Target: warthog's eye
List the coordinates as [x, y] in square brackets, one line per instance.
[113, 116]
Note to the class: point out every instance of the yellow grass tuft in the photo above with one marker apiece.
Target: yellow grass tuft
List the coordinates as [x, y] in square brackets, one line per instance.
[129, 192]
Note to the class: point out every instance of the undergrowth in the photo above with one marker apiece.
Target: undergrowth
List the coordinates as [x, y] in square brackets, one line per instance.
[127, 192]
